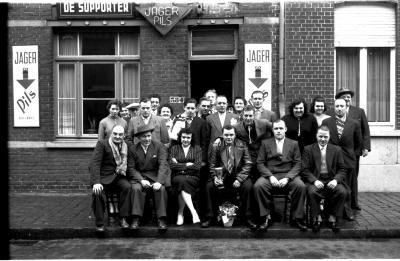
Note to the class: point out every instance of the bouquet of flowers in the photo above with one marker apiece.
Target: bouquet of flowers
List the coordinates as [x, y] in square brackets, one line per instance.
[227, 212]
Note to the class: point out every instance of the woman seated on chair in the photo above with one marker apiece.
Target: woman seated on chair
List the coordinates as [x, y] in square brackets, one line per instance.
[185, 163]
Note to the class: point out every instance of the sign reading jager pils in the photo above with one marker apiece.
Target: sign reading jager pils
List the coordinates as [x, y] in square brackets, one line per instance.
[87, 10]
[163, 16]
[26, 85]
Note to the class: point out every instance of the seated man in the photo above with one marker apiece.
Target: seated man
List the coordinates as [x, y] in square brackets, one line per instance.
[234, 163]
[108, 171]
[279, 164]
[148, 170]
[324, 172]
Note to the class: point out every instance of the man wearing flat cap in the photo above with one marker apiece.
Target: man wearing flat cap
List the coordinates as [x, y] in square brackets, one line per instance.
[148, 171]
[359, 115]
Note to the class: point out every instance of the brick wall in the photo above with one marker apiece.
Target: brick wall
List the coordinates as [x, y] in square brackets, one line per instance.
[398, 66]
[309, 50]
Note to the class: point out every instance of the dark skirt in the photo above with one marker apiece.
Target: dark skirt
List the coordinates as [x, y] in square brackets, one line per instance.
[187, 183]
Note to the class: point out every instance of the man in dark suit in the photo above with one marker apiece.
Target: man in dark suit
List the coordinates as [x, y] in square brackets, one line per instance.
[324, 172]
[345, 133]
[108, 172]
[279, 164]
[204, 108]
[145, 117]
[230, 165]
[359, 115]
[257, 100]
[218, 120]
[149, 171]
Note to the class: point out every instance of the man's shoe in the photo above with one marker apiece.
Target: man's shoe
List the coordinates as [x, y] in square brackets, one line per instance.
[251, 224]
[316, 226]
[135, 224]
[161, 224]
[264, 226]
[298, 223]
[334, 226]
[100, 229]
[124, 224]
[357, 208]
[206, 223]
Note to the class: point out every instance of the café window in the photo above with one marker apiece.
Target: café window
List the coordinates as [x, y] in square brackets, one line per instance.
[93, 68]
[365, 58]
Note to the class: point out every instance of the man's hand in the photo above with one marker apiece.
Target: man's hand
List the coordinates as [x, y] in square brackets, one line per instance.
[145, 183]
[318, 184]
[283, 182]
[156, 186]
[364, 152]
[174, 160]
[217, 142]
[188, 164]
[332, 184]
[274, 181]
[203, 163]
[236, 184]
[217, 181]
[97, 188]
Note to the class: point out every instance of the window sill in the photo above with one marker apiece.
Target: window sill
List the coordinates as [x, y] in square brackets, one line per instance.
[375, 132]
[73, 144]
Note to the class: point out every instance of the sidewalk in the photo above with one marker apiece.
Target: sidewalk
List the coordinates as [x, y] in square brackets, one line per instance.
[51, 216]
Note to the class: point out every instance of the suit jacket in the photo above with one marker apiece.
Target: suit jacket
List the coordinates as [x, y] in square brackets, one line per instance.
[214, 124]
[350, 141]
[358, 114]
[263, 132]
[285, 165]
[102, 166]
[311, 163]
[160, 132]
[242, 162]
[152, 165]
[268, 115]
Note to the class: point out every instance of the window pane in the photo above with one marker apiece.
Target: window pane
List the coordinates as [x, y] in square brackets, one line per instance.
[66, 86]
[98, 44]
[66, 117]
[93, 113]
[348, 70]
[130, 80]
[213, 42]
[68, 44]
[129, 43]
[378, 84]
[98, 81]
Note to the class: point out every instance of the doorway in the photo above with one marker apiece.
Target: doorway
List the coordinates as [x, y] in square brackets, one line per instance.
[216, 75]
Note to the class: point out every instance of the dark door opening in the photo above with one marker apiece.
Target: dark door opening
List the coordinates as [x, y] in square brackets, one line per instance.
[207, 75]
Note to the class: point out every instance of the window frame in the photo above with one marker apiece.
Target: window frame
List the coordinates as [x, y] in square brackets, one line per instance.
[78, 61]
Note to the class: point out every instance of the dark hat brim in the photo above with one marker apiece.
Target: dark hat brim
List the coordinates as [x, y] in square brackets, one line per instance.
[337, 96]
[143, 131]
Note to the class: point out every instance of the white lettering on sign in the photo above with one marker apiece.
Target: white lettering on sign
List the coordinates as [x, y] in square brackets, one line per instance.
[175, 99]
[161, 15]
[259, 56]
[91, 7]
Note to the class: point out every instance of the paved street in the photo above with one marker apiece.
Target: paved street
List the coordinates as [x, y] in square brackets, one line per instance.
[149, 248]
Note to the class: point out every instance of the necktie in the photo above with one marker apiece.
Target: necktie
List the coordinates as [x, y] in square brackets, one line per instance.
[299, 131]
[188, 121]
[323, 160]
[250, 140]
[230, 159]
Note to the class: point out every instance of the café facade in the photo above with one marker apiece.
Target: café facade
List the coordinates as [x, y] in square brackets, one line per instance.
[67, 60]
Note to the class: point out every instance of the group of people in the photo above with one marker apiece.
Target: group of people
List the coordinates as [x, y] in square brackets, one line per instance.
[244, 156]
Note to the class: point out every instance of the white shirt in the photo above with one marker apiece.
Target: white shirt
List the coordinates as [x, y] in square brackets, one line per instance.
[146, 120]
[144, 148]
[324, 168]
[186, 150]
[222, 117]
[279, 145]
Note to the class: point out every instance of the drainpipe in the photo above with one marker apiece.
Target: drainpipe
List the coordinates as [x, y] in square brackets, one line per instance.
[281, 97]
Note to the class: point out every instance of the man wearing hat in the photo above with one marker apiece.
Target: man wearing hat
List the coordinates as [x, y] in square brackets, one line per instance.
[359, 115]
[133, 109]
[148, 171]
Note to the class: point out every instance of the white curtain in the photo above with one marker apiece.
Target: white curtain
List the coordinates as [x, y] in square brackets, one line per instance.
[130, 80]
[348, 71]
[128, 43]
[66, 100]
[68, 44]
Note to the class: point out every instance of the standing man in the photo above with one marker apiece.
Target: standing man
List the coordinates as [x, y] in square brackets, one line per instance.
[204, 108]
[257, 99]
[212, 96]
[145, 117]
[149, 172]
[108, 170]
[233, 157]
[345, 133]
[279, 164]
[324, 172]
[359, 115]
[155, 100]
[125, 112]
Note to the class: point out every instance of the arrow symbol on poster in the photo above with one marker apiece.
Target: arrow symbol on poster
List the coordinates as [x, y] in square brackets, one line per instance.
[258, 81]
[25, 82]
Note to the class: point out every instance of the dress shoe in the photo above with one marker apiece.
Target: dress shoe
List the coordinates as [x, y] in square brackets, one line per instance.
[100, 229]
[264, 226]
[206, 223]
[349, 218]
[316, 226]
[179, 220]
[251, 224]
[161, 224]
[135, 224]
[196, 219]
[298, 223]
[335, 228]
[124, 224]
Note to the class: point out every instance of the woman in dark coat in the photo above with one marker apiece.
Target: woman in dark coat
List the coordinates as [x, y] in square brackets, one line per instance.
[185, 162]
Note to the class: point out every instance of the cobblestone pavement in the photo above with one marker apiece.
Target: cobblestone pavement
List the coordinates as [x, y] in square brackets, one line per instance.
[145, 248]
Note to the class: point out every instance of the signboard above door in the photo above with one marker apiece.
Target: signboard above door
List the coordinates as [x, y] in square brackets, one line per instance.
[79, 10]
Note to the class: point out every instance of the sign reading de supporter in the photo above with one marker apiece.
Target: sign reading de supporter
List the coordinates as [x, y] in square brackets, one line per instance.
[96, 9]
[26, 85]
[257, 71]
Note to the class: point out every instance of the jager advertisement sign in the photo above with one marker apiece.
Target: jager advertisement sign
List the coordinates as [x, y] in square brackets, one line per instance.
[163, 16]
[85, 10]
